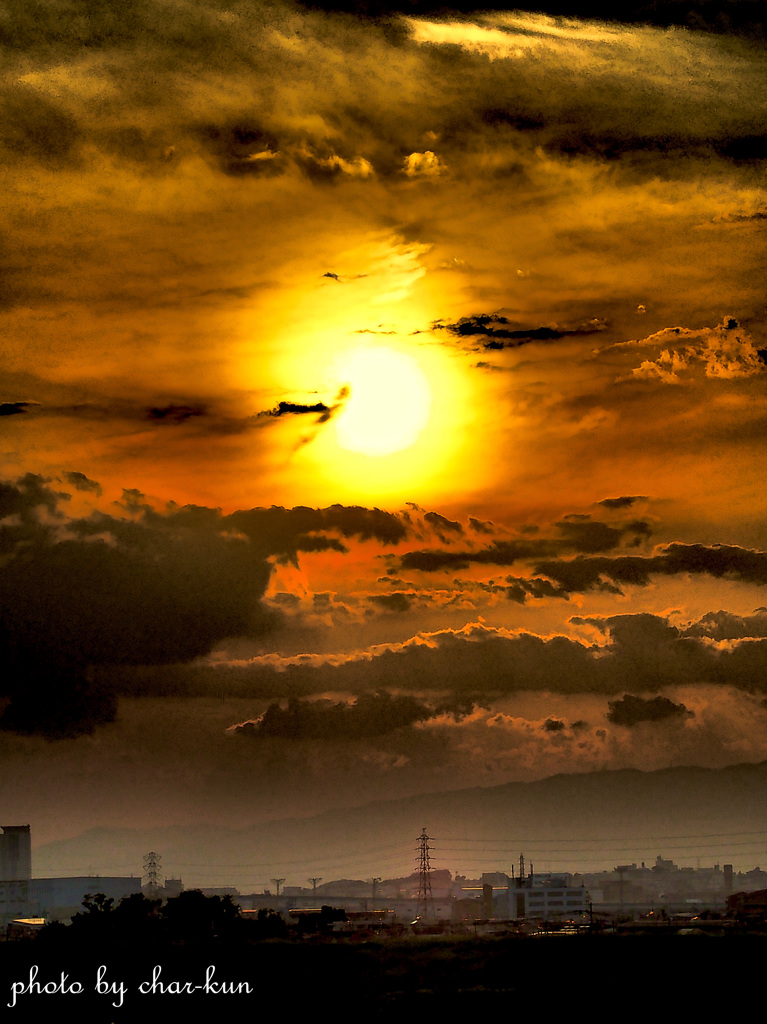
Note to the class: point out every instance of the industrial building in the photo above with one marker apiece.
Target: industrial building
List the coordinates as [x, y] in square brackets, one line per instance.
[55, 899]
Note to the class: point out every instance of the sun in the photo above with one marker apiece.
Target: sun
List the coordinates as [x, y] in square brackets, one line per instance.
[401, 423]
[387, 402]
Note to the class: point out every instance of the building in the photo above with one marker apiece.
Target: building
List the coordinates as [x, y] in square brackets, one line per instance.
[15, 853]
[57, 899]
[15, 871]
[546, 897]
[748, 907]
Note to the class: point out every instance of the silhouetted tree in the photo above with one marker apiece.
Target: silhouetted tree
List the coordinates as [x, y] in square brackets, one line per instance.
[94, 923]
[193, 917]
[136, 918]
[268, 925]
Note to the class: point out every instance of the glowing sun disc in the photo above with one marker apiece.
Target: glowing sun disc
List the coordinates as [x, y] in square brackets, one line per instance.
[388, 404]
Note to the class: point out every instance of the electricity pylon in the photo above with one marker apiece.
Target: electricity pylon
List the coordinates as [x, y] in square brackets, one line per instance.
[425, 906]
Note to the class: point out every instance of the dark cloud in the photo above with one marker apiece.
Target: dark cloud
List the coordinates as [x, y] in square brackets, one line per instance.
[175, 413]
[631, 710]
[721, 561]
[516, 118]
[485, 325]
[371, 714]
[129, 592]
[723, 625]
[589, 536]
[81, 482]
[397, 602]
[13, 408]
[55, 700]
[242, 149]
[744, 17]
[623, 502]
[282, 531]
[554, 725]
[472, 661]
[299, 409]
[37, 128]
[515, 588]
[140, 588]
[650, 652]
[584, 535]
[479, 526]
[26, 499]
[476, 664]
[628, 143]
[520, 590]
[322, 411]
[441, 524]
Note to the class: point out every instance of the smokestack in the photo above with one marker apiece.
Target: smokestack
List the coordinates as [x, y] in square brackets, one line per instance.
[727, 868]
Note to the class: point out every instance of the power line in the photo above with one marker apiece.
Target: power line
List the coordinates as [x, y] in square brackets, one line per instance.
[642, 838]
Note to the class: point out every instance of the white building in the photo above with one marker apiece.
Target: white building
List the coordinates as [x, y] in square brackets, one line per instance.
[547, 898]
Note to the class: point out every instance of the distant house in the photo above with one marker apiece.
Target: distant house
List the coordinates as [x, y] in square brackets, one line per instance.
[748, 906]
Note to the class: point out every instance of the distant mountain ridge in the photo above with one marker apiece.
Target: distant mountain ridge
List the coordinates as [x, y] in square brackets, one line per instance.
[569, 822]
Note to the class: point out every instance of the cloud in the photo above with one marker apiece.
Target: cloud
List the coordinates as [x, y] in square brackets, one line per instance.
[174, 413]
[631, 710]
[25, 508]
[333, 167]
[723, 625]
[13, 408]
[725, 352]
[278, 530]
[622, 502]
[423, 165]
[740, 16]
[728, 561]
[484, 325]
[643, 651]
[479, 526]
[144, 587]
[81, 483]
[298, 409]
[371, 714]
[553, 725]
[396, 602]
[37, 128]
[322, 411]
[442, 525]
[585, 535]
[242, 149]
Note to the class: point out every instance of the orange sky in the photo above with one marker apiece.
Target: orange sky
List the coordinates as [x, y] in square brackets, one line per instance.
[549, 233]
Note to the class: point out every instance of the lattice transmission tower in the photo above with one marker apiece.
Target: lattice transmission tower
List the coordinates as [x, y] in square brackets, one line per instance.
[152, 880]
[425, 906]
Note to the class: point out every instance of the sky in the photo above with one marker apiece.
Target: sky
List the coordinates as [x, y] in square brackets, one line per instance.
[383, 403]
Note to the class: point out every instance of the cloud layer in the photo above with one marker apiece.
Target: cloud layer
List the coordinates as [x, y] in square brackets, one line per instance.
[212, 209]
